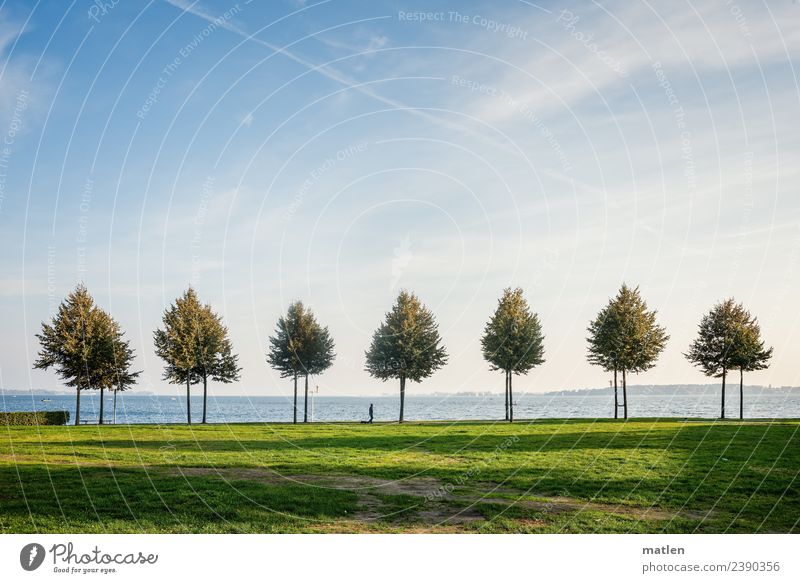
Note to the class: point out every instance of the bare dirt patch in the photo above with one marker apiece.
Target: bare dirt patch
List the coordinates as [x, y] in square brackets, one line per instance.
[442, 515]
[436, 506]
[420, 487]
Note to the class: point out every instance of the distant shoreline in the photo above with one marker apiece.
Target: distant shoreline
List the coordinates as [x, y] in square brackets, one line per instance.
[662, 390]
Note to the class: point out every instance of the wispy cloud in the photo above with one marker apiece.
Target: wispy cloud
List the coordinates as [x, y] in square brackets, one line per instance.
[577, 50]
[334, 74]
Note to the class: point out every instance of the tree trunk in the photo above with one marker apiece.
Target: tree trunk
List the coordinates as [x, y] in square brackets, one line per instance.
[506, 389]
[402, 395]
[625, 392]
[510, 398]
[188, 401]
[616, 397]
[722, 411]
[295, 399]
[101, 405]
[78, 408]
[205, 395]
[305, 406]
[115, 407]
[741, 394]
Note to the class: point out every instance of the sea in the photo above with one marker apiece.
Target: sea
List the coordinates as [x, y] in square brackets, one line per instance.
[161, 409]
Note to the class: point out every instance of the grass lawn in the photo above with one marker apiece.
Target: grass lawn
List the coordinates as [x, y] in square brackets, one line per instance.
[582, 476]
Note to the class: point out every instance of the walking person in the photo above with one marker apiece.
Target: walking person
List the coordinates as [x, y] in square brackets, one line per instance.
[370, 413]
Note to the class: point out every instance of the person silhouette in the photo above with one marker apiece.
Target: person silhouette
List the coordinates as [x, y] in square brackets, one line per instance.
[370, 413]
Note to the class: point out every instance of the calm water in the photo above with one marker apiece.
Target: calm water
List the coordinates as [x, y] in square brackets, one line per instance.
[163, 409]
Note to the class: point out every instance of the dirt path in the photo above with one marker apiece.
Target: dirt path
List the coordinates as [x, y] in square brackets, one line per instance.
[435, 505]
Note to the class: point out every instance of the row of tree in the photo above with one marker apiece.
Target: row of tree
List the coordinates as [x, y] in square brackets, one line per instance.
[625, 338]
[88, 350]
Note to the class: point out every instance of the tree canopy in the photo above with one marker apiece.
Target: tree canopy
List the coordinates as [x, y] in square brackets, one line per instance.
[406, 345]
[176, 343]
[715, 349]
[750, 353]
[626, 337]
[512, 340]
[195, 346]
[638, 339]
[319, 350]
[286, 345]
[728, 338]
[300, 346]
[86, 346]
[602, 350]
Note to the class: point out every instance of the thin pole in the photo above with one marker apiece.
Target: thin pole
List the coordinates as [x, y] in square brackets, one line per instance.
[741, 393]
[314, 392]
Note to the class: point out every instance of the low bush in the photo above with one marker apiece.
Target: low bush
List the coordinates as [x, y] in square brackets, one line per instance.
[34, 418]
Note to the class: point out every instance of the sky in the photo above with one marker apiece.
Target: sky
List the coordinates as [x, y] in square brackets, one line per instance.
[338, 152]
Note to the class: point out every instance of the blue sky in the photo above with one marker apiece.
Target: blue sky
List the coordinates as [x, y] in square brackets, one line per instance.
[336, 152]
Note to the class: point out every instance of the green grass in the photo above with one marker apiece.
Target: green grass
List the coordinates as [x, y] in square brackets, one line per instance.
[546, 476]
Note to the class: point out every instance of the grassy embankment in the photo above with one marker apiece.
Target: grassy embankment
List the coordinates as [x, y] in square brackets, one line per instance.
[547, 476]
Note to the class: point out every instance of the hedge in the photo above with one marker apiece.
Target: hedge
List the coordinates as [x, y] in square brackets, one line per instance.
[34, 418]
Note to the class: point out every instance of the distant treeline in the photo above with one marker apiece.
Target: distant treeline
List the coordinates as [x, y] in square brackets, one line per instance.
[689, 390]
[88, 350]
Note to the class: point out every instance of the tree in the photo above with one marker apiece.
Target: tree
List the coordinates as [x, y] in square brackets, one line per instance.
[195, 345]
[512, 341]
[121, 378]
[66, 343]
[602, 350]
[81, 343]
[115, 358]
[289, 346]
[177, 343]
[406, 346]
[214, 353]
[750, 354]
[728, 338]
[626, 337]
[317, 353]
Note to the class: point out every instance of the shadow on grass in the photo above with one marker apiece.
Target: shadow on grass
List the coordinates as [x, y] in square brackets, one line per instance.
[526, 438]
[46, 499]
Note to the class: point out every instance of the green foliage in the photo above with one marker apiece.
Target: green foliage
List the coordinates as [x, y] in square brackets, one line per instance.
[117, 355]
[728, 338]
[512, 339]
[177, 344]
[34, 418]
[293, 343]
[625, 335]
[195, 344]
[87, 347]
[320, 354]
[750, 353]
[300, 346]
[73, 342]
[214, 350]
[407, 344]
[601, 339]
